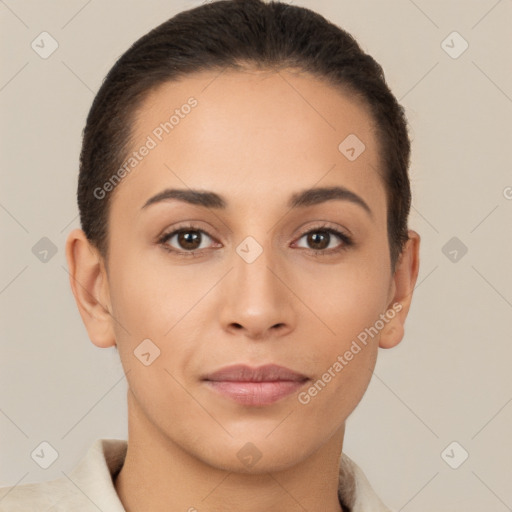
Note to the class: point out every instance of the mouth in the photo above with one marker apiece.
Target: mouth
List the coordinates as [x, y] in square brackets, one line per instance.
[260, 386]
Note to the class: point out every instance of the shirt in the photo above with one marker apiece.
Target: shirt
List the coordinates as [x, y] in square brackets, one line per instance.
[90, 486]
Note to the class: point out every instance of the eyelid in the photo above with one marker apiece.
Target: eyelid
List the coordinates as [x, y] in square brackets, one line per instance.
[333, 229]
[342, 233]
[163, 238]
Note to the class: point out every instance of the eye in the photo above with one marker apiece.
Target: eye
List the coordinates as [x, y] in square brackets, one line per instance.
[185, 240]
[320, 240]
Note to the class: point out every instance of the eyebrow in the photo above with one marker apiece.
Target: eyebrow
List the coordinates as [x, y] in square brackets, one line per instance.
[304, 198]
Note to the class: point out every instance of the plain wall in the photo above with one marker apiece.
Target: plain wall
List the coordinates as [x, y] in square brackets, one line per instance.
[449, 380]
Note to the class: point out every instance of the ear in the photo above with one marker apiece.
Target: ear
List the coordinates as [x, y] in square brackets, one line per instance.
[89, 283]
[401, 291]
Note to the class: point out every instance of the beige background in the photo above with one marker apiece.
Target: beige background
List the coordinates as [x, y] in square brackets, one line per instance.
[449, 380]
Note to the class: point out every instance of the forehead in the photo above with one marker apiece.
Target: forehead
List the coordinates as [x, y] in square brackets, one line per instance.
[252, 133]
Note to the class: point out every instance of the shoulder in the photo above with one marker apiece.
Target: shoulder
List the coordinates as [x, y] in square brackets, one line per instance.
[355, 489]
[88, 487]
[38, 496]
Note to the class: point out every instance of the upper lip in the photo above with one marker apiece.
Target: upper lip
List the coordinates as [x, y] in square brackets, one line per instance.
[245, 373]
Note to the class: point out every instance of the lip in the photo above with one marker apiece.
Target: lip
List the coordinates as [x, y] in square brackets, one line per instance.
[259, 386]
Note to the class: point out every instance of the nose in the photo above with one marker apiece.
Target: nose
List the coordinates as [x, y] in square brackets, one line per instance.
[256, 298]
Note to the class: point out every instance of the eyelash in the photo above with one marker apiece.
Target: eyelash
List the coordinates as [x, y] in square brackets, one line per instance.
[347, 240]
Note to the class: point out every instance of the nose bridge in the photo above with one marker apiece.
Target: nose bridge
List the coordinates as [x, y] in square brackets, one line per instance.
[253, 262]
[258, 299]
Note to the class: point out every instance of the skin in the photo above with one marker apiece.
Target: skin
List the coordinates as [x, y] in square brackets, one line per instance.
[255, 137]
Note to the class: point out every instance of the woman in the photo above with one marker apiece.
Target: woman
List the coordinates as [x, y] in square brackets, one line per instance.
[243, 195]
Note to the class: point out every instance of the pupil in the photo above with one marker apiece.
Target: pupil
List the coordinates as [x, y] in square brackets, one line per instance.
[315, 237]
[187, 239]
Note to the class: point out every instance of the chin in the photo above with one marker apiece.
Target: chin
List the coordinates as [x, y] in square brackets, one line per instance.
[253, 454]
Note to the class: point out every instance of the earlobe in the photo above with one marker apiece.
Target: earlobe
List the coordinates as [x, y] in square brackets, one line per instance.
[89, 284]
[403, 284]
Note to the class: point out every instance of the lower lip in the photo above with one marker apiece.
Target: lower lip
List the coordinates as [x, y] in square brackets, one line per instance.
[256, 393]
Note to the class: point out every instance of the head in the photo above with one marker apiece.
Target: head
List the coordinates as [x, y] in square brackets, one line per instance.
[244, 106]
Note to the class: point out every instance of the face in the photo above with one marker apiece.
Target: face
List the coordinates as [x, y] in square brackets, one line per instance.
[265, 273]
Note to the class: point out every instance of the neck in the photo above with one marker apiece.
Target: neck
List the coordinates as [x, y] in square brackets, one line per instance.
[159, 475]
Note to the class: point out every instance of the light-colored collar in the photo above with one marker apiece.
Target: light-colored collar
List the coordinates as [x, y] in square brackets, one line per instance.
[354, 490]
[89, 487]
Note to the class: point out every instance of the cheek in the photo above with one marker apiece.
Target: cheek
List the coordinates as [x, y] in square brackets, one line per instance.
[159, 303]
[347, 298]
[155, 338]
[332, 398]
[147, 299]
[349, 305]
[156, 300]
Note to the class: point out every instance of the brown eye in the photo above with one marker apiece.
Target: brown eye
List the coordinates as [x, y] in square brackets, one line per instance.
[187, 240]
[323, 240]
[318, 240]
